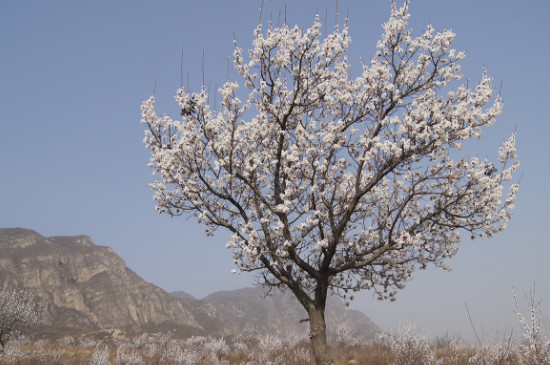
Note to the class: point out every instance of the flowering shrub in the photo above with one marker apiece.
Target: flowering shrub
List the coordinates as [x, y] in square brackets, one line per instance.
[126, 355]
[100, 356]
[270, 347]
[403, 346]
[18, 310]
[217, 348]
[407, 347]
[498, 352]
[345, 336]
[448, 350]
[536, 345]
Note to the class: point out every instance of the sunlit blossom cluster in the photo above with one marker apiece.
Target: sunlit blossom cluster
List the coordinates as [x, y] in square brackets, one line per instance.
[320, 174]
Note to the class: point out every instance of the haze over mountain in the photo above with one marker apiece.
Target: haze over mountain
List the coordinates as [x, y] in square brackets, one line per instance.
[251, 309]
[86, 288]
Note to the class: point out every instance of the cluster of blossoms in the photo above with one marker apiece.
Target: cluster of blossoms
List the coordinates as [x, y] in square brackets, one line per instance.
[18, 311]
[317, 171]
[407, 346]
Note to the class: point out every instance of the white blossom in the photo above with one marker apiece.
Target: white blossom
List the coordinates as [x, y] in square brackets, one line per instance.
[18, 311]
[298, 168]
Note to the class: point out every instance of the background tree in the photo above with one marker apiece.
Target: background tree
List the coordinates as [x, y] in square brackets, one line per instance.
[18, 311]
[333, 182]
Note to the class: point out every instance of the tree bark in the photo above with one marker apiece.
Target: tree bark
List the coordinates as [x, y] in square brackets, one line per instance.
[318, 336]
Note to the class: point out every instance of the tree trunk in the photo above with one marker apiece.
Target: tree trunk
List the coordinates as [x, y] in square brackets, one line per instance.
[318, 336]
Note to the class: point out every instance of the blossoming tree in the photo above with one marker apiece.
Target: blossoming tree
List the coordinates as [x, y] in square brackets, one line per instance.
[333, 183]
[18, 311]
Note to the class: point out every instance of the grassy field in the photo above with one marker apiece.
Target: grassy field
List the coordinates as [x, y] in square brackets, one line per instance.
[402, 347]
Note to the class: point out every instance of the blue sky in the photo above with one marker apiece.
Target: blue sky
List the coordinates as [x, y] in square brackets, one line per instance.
[72, 78]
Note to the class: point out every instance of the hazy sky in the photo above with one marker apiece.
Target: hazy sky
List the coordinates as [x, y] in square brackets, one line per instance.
[74, 73]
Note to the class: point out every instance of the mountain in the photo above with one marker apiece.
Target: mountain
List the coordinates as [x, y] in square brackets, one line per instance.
[182, 294]
[87, 288]
[251, 309]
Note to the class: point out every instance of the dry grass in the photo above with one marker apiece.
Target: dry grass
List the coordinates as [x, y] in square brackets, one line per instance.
[372, 354]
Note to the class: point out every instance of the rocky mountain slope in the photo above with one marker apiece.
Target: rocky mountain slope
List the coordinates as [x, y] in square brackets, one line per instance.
[85, 288]
[251, 309]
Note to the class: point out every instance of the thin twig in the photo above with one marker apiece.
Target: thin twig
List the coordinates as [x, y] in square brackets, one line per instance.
[181, 69]
[472, 323]
[215, 96]
[326, 22]
[336, 16]
[203, 68]
[227, 68]
[261, 11]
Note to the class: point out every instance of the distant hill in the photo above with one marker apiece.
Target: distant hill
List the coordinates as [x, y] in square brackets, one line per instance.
[250, 309]
[85, 288]
[182, 294]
